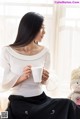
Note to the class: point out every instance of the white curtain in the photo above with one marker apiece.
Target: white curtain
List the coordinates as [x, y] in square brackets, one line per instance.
[67, 45]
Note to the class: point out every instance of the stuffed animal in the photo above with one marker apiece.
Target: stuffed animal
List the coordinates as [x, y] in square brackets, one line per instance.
[75, 86]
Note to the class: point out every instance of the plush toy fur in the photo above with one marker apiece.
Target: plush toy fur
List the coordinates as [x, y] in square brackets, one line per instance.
[75, 86]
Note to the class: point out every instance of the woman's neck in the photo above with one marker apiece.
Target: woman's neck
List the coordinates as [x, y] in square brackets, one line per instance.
[30, 47]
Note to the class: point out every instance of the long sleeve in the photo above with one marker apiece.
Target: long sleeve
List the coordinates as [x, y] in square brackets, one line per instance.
[7, 78]
[51, 83]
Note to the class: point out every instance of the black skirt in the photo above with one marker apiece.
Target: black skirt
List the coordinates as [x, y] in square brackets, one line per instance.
[41, 107]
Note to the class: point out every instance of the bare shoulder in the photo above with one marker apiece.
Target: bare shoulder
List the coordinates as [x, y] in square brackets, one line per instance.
[15, 48]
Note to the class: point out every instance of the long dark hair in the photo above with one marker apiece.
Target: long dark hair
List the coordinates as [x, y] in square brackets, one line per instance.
[29, 27]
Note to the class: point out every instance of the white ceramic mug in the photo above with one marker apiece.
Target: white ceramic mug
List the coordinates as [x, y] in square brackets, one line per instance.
[37, 74]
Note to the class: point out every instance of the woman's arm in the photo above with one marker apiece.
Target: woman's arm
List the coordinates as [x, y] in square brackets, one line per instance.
[45, 75]
[9, 79]
[49, 77]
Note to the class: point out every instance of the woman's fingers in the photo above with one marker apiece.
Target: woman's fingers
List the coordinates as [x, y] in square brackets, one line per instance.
[45, 71]
[26, 75]
[27, 71]
[45, 75]
[27, 67]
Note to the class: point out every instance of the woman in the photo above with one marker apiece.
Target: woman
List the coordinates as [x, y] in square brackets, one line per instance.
[28, 101]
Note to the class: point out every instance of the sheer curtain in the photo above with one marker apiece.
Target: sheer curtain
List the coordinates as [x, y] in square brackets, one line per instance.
[67, 45]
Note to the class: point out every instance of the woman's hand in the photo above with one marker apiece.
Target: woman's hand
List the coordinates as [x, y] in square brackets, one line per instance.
[26, 74]
[45, 75]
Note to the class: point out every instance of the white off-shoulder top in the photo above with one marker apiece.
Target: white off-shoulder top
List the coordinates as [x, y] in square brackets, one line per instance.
[11, 67]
